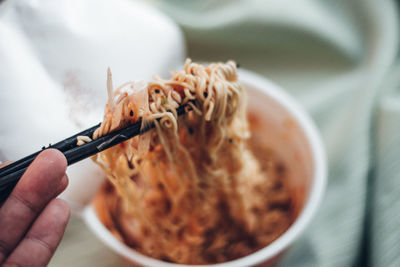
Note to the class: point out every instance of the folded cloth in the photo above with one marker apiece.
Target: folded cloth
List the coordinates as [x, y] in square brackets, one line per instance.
[335, 58]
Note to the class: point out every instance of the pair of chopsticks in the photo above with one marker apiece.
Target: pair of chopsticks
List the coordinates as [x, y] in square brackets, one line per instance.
[10, 174]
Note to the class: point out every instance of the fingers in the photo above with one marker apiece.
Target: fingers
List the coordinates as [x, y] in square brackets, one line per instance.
[43, 238]
[40, 183]
[61, 187]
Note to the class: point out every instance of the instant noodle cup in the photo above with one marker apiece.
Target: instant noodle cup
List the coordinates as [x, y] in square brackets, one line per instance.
[290, 132]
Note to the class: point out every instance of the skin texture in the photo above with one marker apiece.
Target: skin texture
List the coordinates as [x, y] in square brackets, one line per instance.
[32, 219]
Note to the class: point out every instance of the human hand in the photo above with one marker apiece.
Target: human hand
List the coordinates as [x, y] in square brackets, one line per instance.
[32, 220]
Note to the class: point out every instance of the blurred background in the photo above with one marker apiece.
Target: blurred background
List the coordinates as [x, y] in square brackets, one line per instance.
[338, 58]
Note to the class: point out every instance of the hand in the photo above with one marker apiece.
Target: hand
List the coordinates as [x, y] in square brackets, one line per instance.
[32, 220]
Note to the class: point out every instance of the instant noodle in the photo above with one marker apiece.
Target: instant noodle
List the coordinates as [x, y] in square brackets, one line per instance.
[199, 188]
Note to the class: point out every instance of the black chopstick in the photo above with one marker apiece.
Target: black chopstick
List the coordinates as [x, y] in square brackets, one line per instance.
[10, 174]
[63, 145]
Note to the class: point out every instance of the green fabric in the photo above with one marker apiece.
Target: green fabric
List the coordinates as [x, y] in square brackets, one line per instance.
[336, 57]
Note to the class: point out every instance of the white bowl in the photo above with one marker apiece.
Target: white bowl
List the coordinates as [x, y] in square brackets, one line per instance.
[293, 134]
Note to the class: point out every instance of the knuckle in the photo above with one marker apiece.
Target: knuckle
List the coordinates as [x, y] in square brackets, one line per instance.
[40, 242]
[28, 204]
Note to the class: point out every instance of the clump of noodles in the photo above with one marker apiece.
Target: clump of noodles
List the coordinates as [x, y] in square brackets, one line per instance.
[178, 184]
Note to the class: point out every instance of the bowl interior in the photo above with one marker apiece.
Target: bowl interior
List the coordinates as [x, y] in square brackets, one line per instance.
[282, 132]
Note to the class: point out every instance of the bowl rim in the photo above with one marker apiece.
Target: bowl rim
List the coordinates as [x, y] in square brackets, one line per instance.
[317, 150]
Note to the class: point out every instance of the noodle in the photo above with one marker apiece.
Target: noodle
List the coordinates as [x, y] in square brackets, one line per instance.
[81, 139]
[190, 190]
